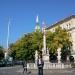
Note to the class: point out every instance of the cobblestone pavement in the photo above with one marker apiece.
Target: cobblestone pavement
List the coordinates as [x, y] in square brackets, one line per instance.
[17, 70]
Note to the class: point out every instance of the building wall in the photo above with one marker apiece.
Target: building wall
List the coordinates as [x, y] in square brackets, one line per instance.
[67, 25]
[73, 38]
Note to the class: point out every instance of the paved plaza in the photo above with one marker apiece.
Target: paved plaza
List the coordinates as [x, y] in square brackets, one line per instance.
[17, 70]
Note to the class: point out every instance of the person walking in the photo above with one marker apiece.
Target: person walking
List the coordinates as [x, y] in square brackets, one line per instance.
[24, 63]
[40, 64]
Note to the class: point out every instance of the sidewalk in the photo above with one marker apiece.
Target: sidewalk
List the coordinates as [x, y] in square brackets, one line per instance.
[50, 71]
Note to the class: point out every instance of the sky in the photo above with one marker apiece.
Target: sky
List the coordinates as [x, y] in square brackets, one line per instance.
[22, 15]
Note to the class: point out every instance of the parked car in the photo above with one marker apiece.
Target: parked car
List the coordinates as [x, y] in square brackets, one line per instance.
[2, 63]
[17, 62]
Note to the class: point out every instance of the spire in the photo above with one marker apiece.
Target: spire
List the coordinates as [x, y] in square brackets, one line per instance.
[6, 52]
[37, 27]
[37, 19]
[43, 26]
[8, 34]
[43, 23]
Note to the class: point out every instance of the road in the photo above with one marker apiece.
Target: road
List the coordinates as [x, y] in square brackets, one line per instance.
[17, 70]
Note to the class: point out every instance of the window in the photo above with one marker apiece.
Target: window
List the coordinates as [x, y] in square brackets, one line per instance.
[68, 26]
[53, 30]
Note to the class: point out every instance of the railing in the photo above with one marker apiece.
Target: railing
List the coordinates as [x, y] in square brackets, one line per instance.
[31, 66]
[49, 66]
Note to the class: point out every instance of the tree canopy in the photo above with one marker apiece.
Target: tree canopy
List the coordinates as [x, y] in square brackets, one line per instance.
[1, 53]
[25, 47]
[59, 38]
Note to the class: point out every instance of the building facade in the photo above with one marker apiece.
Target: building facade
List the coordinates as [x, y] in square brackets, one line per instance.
[69, 24]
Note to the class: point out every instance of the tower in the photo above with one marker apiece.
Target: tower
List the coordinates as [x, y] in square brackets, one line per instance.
[37, 27]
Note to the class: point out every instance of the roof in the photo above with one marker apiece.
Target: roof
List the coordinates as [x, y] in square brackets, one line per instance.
[61, 21]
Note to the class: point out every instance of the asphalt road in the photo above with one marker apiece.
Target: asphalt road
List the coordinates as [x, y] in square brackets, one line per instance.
[17, 70]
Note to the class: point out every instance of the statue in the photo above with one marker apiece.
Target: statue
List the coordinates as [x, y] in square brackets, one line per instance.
[59, 55]
[36, 57]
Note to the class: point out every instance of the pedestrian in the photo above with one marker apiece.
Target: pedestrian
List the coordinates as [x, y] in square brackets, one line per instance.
[24, 63]
[40, 64]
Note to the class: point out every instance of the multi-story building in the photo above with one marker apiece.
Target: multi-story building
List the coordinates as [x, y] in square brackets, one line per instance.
[69, 24]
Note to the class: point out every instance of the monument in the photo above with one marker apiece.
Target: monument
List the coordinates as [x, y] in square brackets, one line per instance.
[59, 55]
[36, 57]
[45, 51]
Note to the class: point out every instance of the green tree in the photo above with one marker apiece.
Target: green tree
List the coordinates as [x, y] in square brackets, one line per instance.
[12, 50]
[37, 39]
[1, 53]
[59, 38]
[25, 47]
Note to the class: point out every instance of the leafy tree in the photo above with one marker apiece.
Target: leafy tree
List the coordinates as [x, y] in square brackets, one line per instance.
[12, 50]
[25, 47]
[37, 40]
[1, 53]
[59, 38]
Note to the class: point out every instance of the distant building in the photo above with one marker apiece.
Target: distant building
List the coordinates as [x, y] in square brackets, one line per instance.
[69, 24]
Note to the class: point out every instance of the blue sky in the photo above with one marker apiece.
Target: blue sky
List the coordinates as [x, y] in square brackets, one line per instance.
[23, 14]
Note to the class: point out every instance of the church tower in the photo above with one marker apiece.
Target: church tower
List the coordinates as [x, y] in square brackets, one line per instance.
[37, 27]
